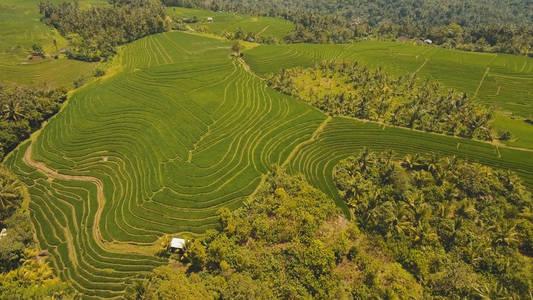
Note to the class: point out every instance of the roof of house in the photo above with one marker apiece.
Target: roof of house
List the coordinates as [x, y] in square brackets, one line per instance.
[177, 243]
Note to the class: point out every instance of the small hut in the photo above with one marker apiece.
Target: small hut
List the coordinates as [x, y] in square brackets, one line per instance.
[177, 244]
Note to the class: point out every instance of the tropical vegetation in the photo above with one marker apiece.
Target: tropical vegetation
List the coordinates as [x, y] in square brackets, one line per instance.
[353, 90]
[462, 229]
[23, 109]
[94, 33]
[468, 25]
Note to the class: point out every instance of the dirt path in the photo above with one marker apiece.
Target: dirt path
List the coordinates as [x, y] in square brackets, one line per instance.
[117, 247]
[263, 30]
[423, 64]
[481, 82]
[247, 68]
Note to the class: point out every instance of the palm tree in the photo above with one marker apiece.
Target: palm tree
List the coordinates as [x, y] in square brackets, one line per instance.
[13, 110]
[10, 197]
[505, 233]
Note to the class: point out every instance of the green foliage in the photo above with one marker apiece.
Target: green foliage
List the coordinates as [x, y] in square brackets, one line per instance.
[94, 33]
[349, 89]
[456, 226]
[287, 242]
[505, 136]
[168, 282]
[10, 194]
[18, 237]
[472, 25]
[37, 50]
[34, 279]
[23, 274]
[98, 72]
[23, 110]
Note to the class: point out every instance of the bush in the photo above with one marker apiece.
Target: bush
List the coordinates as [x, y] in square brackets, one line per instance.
[80, 81]
[98, 72]
[505, 136]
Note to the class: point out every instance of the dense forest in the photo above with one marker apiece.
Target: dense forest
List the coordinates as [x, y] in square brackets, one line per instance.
[24, 273]
[94, 33]
[23, 109]
[489, 25]
[350, 89]
[462, 229]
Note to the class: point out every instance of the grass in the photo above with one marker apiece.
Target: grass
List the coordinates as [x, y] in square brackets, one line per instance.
[230, 22]
[20, 28]
[521, 130]
[498, 80]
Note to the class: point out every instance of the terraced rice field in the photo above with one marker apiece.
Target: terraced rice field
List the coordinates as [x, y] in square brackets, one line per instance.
[181, 131]
[498, 80]
[47, 72]
[230, 22]
[343, 137]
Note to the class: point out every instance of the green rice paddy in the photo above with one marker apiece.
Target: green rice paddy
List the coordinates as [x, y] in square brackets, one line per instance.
[230, 22]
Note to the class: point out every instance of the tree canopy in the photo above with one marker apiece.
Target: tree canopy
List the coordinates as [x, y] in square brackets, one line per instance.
[22, 110]
[487, 25]
[462, 229]
[95, 32]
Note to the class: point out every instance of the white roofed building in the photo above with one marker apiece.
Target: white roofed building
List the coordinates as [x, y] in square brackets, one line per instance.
[177, 243]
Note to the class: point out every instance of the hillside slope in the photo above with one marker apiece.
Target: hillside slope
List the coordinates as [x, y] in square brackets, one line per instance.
[182, 131]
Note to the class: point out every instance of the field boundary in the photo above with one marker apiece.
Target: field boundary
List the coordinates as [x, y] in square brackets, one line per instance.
[481, 82]
[313, 137]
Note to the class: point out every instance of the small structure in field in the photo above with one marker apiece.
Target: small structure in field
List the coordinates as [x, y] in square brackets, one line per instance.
[177, 244]
[428, 41]
[209, 19]
[3, 233]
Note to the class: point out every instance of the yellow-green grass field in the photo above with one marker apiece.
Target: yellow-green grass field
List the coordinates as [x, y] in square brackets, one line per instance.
[20, 28]
[498, 80]
[181, 131]
[230, 22]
